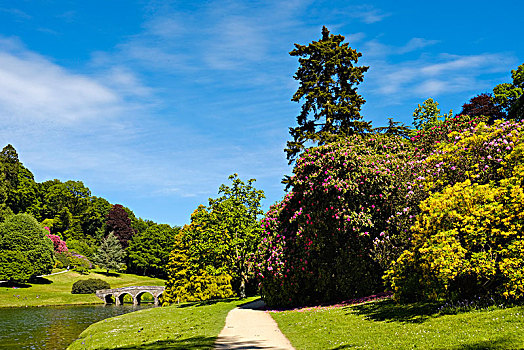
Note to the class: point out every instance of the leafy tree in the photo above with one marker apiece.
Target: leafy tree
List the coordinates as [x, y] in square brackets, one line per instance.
[72, 195]
[183, 285]
[119, 223]
[148, 251]
[509, 95]
[26, 197]
[25, 251]
[94, 217]
[9, 159]
[328, 79]
[110, 254]
[222, 237]
[483, 104]
[428, 115]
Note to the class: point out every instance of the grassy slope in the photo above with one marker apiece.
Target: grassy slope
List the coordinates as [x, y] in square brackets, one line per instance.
[56, 290]
[187, 326]
[385, 325]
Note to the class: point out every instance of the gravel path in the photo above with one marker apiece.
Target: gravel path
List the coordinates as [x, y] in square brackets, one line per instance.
[247, 327]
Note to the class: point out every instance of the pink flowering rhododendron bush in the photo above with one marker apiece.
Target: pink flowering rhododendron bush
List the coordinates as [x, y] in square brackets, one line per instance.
[467, 233]
[318, 242]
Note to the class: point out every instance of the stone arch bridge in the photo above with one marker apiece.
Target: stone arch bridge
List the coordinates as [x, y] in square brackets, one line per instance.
[117, 294]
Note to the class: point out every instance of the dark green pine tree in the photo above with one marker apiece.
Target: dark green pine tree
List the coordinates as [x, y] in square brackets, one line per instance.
[328, 78]
[110, 254]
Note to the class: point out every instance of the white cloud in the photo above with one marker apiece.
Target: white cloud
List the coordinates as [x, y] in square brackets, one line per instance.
[367, 13]
[440, 74]
[34, 88]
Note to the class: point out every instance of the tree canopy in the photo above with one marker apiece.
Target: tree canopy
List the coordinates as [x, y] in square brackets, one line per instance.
[509, 95]
[328, 78]
[25, 251]
[148, 251]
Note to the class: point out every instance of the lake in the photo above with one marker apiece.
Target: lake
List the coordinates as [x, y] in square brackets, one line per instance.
[52, 327]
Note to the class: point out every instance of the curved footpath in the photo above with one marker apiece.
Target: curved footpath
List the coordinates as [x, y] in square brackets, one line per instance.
[248, 327]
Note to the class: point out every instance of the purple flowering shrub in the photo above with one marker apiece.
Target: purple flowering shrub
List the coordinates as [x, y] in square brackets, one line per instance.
[317, 244]
[474, 153]
[428, 139]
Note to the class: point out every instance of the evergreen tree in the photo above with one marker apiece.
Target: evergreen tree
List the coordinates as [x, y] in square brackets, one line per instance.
[110, 254]
[328, 79]
[428, 115]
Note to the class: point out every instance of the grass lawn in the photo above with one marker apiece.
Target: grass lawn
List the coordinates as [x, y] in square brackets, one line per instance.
[386, 325]
[184, 326]
[56, 289]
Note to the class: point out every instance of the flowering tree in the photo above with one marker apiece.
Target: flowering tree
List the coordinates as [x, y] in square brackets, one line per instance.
[317, 244]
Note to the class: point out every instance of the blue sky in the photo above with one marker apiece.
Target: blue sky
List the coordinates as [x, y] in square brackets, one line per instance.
[153, 104]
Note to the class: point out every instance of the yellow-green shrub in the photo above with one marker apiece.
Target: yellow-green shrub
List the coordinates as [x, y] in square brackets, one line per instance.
[468, 239]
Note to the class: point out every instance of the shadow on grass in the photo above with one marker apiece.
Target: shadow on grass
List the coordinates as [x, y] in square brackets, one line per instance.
[107, 274]
[195, 343]
[389, 311]
[14, 284]
[40, 280]
[500, 343]
[206, 302]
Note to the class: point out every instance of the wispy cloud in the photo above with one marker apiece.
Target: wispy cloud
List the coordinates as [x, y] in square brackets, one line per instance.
[440, 74]
[367, 13]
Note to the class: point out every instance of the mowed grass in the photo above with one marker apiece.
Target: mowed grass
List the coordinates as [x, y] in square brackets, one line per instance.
[56, 289]
[386, 325]
[185, 326]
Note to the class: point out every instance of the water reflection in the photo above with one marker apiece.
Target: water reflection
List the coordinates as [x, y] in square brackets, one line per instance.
[52, 327]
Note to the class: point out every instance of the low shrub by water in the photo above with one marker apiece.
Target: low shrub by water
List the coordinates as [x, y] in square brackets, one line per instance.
[89, 286]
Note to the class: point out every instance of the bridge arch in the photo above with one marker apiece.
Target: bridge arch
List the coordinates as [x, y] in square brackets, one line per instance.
[135, 292]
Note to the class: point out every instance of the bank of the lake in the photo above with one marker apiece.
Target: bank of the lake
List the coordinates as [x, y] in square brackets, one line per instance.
[56, 289]
[184, 326]
[52, 327]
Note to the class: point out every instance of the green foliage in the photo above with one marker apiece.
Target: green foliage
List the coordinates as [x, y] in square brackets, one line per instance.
[223, 236]
[318, 241]
[509, 95]
[328, 79]
[89, 286]
[148, 251]
[110, 254]
[428, 115]
[25, 251]
[184, 285]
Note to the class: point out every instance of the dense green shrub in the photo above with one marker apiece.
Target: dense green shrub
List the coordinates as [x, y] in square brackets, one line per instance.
[467, 239]
[89, 286]
[318, 242]
[25, 251]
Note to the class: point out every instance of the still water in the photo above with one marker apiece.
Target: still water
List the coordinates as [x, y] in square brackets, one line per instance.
[52, 327]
